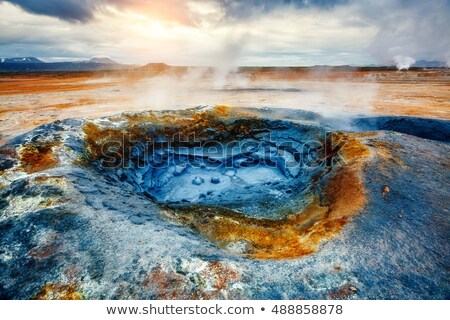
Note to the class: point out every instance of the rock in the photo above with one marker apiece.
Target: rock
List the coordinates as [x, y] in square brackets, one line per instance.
[238, 247]
[179, 169]
[198, 181]
[215, 180]
[384, 191]
[230, 173]
[137, 219]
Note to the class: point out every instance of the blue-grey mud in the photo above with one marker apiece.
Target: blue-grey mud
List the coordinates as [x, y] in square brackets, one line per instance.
[226, 203]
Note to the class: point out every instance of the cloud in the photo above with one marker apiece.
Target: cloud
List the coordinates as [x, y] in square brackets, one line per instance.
[193, 32]
[414, 28]
[243, 9]
[281, 37]
[70, 10]
[177, 10]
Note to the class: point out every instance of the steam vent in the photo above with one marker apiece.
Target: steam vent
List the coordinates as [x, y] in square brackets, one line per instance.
[226, 203]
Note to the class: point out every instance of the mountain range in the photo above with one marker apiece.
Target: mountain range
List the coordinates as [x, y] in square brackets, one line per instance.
[32, 64]
[20, 60]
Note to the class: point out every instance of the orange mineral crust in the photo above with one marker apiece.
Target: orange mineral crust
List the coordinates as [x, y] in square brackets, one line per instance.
[59, 291]
[39, 157]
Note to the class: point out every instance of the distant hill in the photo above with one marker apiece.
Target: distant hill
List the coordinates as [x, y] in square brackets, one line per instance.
[104, 60]
[160, 68]
[155, 67]
[31, 64]
[21, 60]
[429, 64]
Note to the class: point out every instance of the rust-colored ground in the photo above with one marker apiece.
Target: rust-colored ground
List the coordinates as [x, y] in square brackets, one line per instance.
[39, 157]
[29, 100]
[58, 291]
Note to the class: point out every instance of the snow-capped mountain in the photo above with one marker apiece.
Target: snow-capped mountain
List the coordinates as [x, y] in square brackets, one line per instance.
[20, 60]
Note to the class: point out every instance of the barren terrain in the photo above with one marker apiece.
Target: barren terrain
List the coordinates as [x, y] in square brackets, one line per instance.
[29, 100]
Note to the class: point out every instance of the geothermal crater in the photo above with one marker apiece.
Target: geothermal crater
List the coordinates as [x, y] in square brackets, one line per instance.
[250, 185]
[272, 163]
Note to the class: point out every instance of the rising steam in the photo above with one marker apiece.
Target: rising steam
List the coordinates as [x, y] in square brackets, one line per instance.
[404, 62]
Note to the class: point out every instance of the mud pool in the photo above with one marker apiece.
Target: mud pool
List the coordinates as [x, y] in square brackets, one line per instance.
[272, 165]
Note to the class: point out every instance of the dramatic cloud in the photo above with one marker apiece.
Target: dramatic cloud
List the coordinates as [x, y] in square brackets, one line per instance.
[70, 10]
[84, 10]
[248, 32]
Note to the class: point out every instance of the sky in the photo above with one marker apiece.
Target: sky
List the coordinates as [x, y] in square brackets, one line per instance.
[228, 32]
